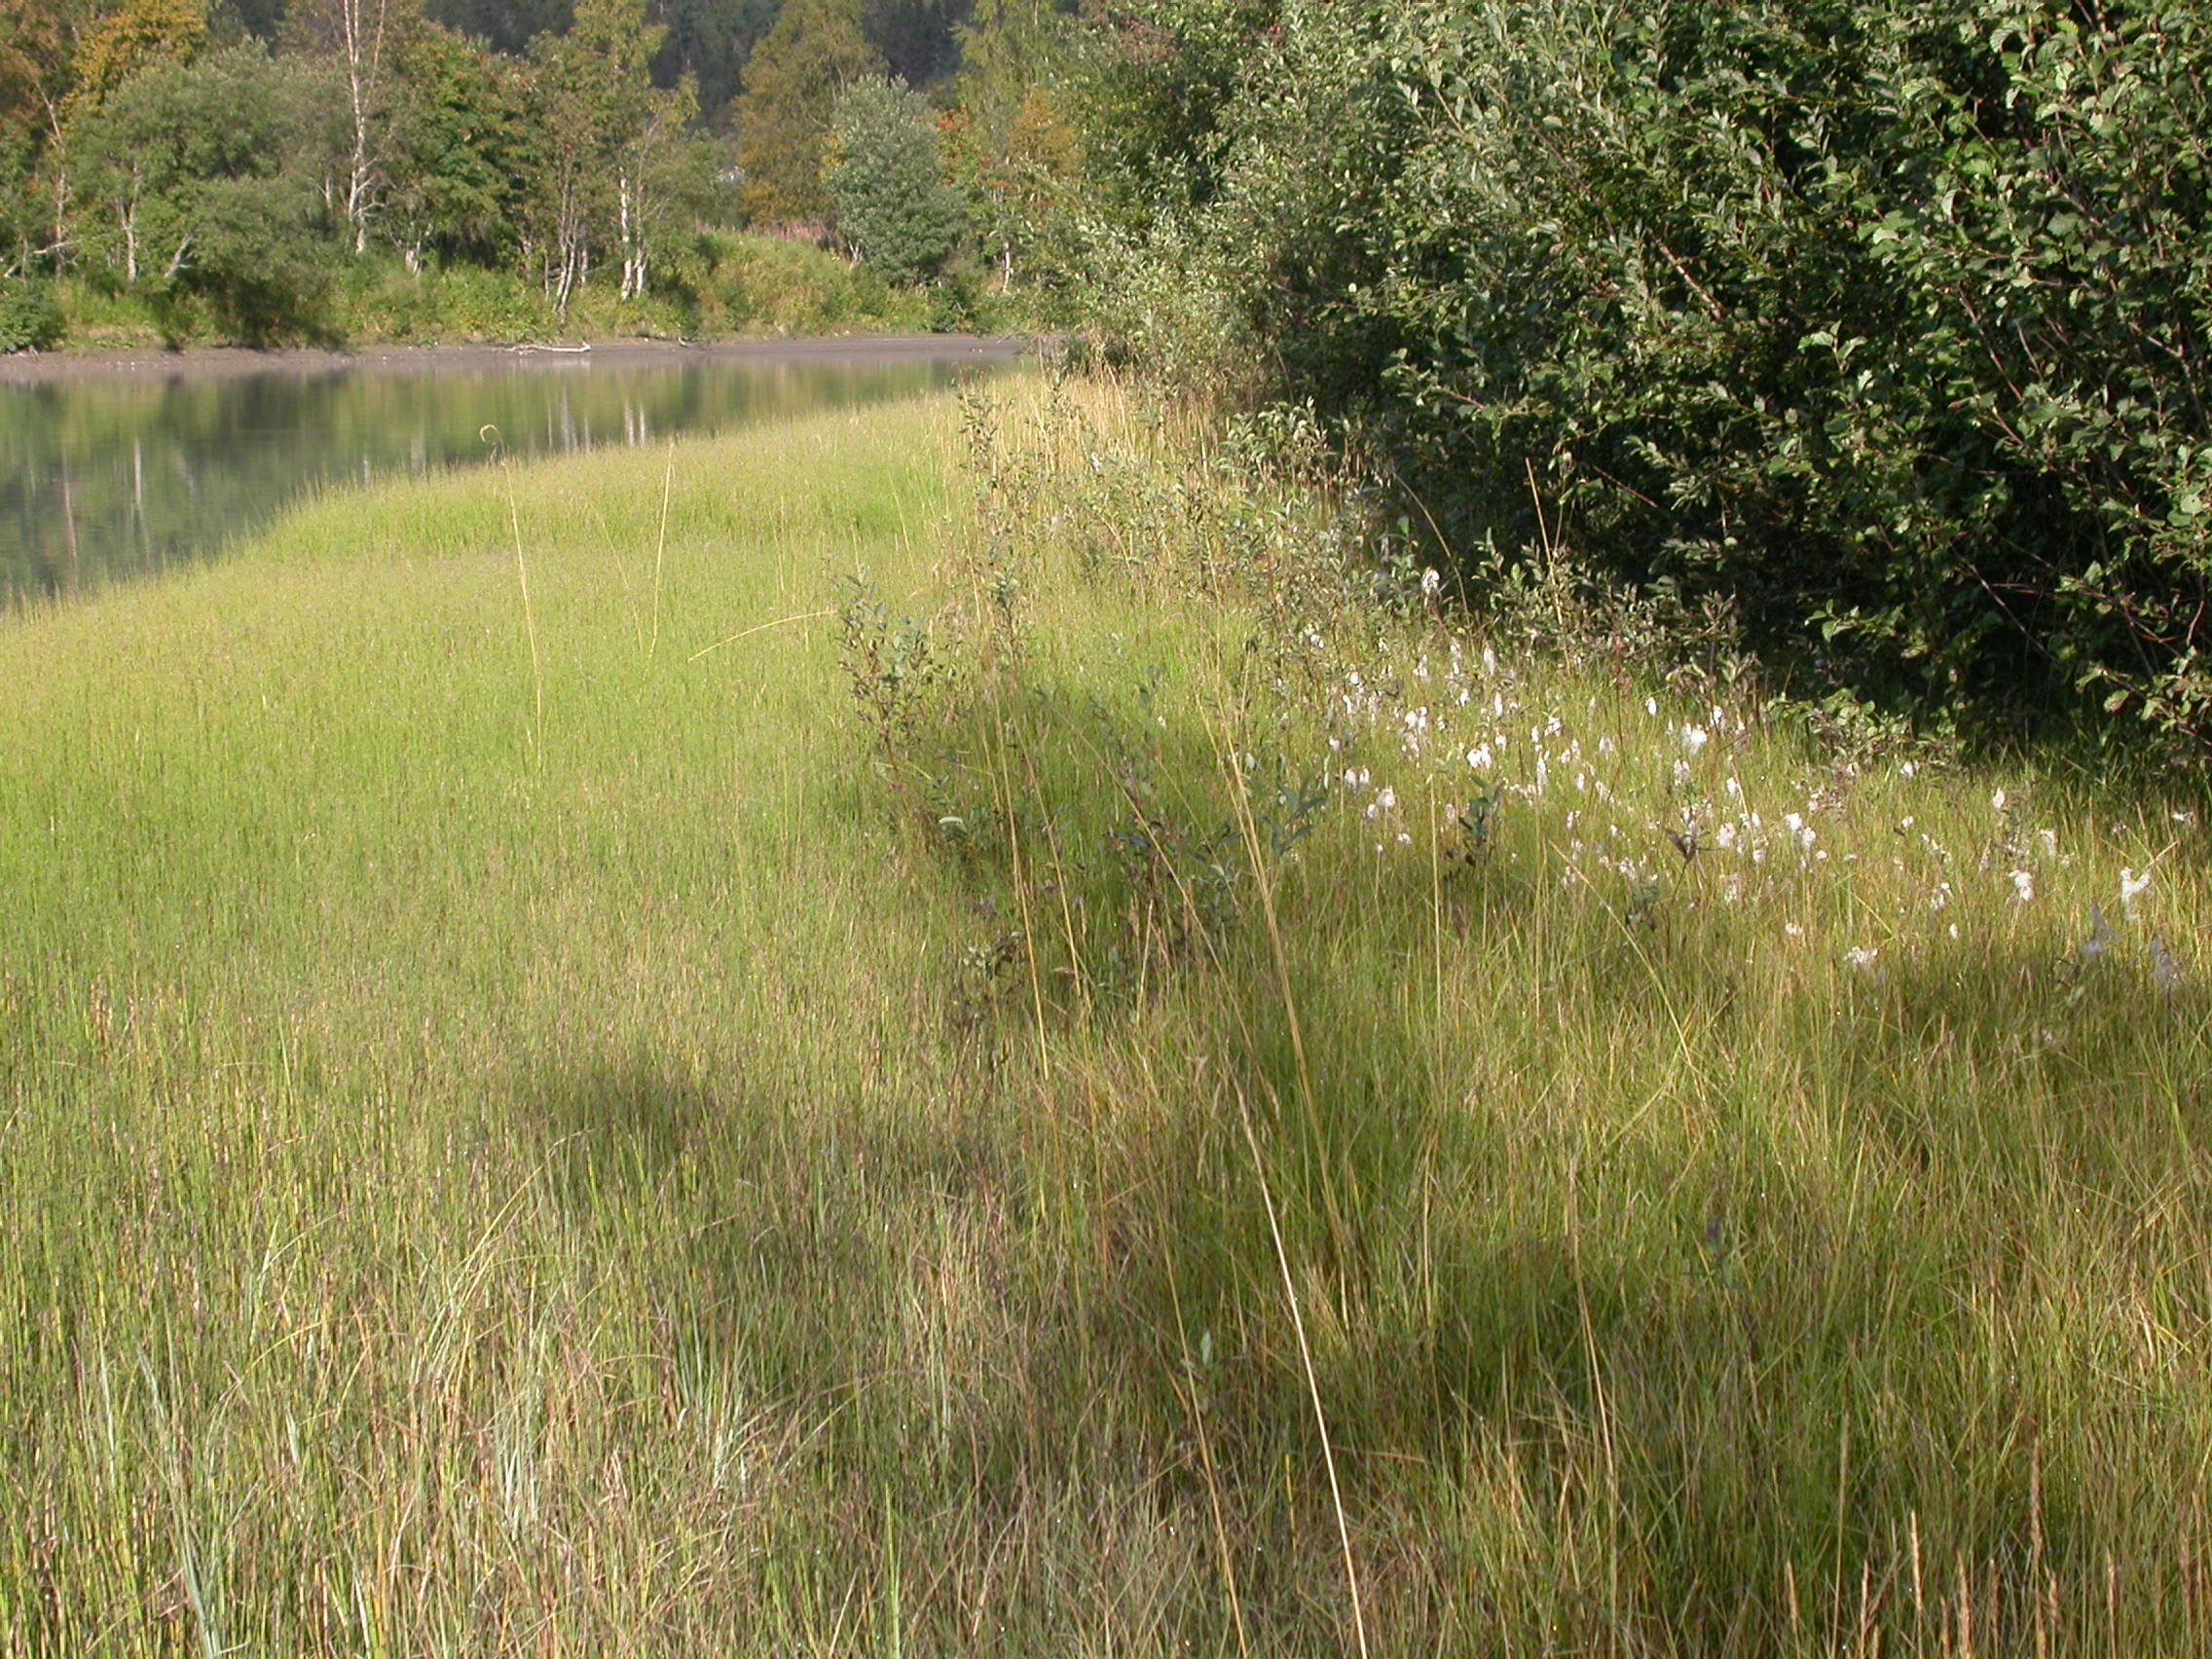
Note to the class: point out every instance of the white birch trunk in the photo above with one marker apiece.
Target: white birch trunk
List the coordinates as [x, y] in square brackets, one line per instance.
[127, 210]
[362, 41]
[58, 252]
[630, 198]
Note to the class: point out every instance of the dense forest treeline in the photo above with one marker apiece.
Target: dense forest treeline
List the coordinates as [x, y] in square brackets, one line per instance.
[230, 165]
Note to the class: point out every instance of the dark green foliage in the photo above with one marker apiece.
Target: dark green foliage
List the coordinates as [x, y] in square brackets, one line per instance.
[505, 25]
[887, 183]
[19, 203]
[256, 18]
[709, 41]
[1012, 144]
[29, 319]
[459, 146]
[1165, 78]
[1882, 321]
[193, 193]
[918, 38]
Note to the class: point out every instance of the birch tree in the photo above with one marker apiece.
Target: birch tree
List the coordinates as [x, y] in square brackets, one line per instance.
[135, 37]
[207, 203]
[606, 139]
[363, 42]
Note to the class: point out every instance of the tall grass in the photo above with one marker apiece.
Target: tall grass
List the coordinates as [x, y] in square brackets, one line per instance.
[757, 1169]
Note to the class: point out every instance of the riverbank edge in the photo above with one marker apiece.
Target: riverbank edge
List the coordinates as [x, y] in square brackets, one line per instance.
[209, 362]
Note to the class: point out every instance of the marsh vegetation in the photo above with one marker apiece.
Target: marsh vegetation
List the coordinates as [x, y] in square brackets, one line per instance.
[966, 1028]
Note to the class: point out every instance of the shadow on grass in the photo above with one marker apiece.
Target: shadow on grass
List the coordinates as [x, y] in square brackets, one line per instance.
[616, 1129]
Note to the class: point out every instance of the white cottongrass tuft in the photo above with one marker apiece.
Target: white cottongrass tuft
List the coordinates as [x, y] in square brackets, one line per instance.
[2023, 887]
[2132, 887]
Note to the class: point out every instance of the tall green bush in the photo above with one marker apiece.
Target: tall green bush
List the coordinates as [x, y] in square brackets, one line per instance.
[29, 319]
[886, 181]
[1884, 319]
[196, 190]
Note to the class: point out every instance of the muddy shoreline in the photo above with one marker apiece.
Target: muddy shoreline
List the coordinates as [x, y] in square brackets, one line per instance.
[229, 361]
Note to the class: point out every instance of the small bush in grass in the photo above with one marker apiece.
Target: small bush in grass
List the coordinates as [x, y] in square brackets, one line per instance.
[772, 284]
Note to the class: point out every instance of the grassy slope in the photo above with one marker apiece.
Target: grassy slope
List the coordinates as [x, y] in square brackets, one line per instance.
[646, 1176]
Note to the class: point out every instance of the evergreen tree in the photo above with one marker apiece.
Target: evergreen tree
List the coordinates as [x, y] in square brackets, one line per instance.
[920, 39]
[257, 18]
[508, 26]
[814, 52]
[709, 41]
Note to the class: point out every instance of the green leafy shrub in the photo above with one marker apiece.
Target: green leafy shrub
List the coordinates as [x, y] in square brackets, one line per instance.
[887, 181]
[1883, 320]
[208, 197]
[776, 285]
[29, 319]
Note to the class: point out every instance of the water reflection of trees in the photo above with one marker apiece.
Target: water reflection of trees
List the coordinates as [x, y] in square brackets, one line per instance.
[106, 480]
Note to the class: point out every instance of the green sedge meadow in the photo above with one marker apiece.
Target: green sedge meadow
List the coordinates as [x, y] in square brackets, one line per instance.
[955, 1029]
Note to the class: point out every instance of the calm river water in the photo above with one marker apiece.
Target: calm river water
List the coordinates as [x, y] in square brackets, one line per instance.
[114, 471]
